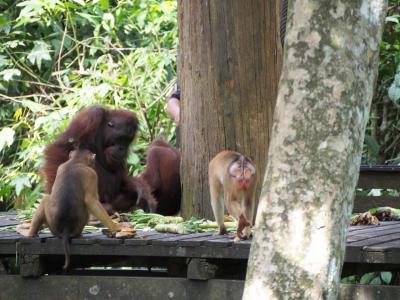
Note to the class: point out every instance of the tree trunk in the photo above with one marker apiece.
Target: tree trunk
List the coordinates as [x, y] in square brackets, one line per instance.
[330, 67]
[230, 58]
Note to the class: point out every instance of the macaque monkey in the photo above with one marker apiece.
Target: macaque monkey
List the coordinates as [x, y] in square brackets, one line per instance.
[232, 178]
[73, 196]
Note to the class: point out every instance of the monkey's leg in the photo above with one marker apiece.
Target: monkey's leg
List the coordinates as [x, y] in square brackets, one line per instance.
[39, 218]
[248, 210]
[217, 204]
[96, 208]
[235, 210]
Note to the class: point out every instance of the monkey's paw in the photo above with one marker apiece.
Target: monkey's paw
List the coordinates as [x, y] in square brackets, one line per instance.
[237, 239]
[24, 229]
[222, 231]
[123, 231]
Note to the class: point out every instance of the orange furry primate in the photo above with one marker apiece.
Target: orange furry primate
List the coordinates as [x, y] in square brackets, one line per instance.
[162, 176]
[108, 134]
[232, 178]
[73, 196]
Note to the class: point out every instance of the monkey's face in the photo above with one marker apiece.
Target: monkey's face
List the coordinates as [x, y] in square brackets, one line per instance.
[91, 159]
[118, 132]
[83, 156]
[242, 173]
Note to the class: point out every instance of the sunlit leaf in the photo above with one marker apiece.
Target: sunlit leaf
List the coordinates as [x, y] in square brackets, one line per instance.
[34, 106]
[20, 183]
[39, 53]
[108, 21]
[31, 8]
[133, 158]
[386, 277]
[80, 2]
[8, 74]
[366, 278]
[393, 19]
[6, 137]
[13, 44]
[91, 18]
[376, 281]
[3, 60]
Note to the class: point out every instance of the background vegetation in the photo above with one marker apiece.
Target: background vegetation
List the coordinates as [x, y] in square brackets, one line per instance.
[59, 56]
[382, 140]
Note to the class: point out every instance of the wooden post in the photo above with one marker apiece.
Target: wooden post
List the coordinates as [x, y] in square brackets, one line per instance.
[230, 61]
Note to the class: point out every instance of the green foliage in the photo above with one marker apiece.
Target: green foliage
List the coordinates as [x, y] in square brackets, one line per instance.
[373, 278]
[382, 139]
[57, 57]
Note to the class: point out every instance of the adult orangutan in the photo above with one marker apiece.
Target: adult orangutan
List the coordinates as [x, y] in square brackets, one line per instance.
[162, 176]
[108, 134]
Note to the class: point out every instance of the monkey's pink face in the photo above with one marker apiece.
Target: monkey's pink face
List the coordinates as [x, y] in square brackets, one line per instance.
[243, 185]
[242, 174]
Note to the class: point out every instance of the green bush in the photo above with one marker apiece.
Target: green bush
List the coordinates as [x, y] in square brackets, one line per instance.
[57, 57]
[382, 139]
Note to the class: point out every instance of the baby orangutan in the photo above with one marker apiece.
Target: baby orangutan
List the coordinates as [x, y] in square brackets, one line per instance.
[73, 196]
[232, 179]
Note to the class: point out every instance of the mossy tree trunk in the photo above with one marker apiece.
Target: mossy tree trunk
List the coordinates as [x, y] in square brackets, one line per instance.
[328, 76]
[230, 61]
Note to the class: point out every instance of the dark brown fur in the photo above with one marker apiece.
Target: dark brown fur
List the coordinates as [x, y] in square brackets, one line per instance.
[163, 177]
[108, 134]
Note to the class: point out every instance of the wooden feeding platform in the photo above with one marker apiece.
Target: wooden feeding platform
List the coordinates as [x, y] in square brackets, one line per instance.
[179, 266]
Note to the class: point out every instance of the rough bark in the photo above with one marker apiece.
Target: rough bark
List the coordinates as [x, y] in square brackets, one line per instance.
[329, 71]
[230, 59]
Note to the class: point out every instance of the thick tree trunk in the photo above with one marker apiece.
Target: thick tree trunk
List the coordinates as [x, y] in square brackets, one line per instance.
[330, 67]
[230, 58]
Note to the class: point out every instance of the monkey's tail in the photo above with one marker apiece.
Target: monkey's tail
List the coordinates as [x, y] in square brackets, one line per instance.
[65, 239]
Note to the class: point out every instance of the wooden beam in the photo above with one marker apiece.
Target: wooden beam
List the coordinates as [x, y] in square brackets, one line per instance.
[387, 177]
[117, 287]
[149, 288]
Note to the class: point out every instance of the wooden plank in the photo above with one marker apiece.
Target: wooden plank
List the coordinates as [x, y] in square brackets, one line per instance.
[353, 254]
[160, 236]
[244, 243]
[365, 236]
[180, 237]
[379, 168]
[224, 241]
[7, 234]
[8, 243]
[153, 288]
[8, 219]
[87, 239]
[381, 224]
[197, 241]
[35, 240]
[118, 287]
[141, 238]
[103, 240]
[391, 245]
[138, 250]
[373, 228]
[10, 238]
[379, 179]
[377, 239]
[364, 203]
